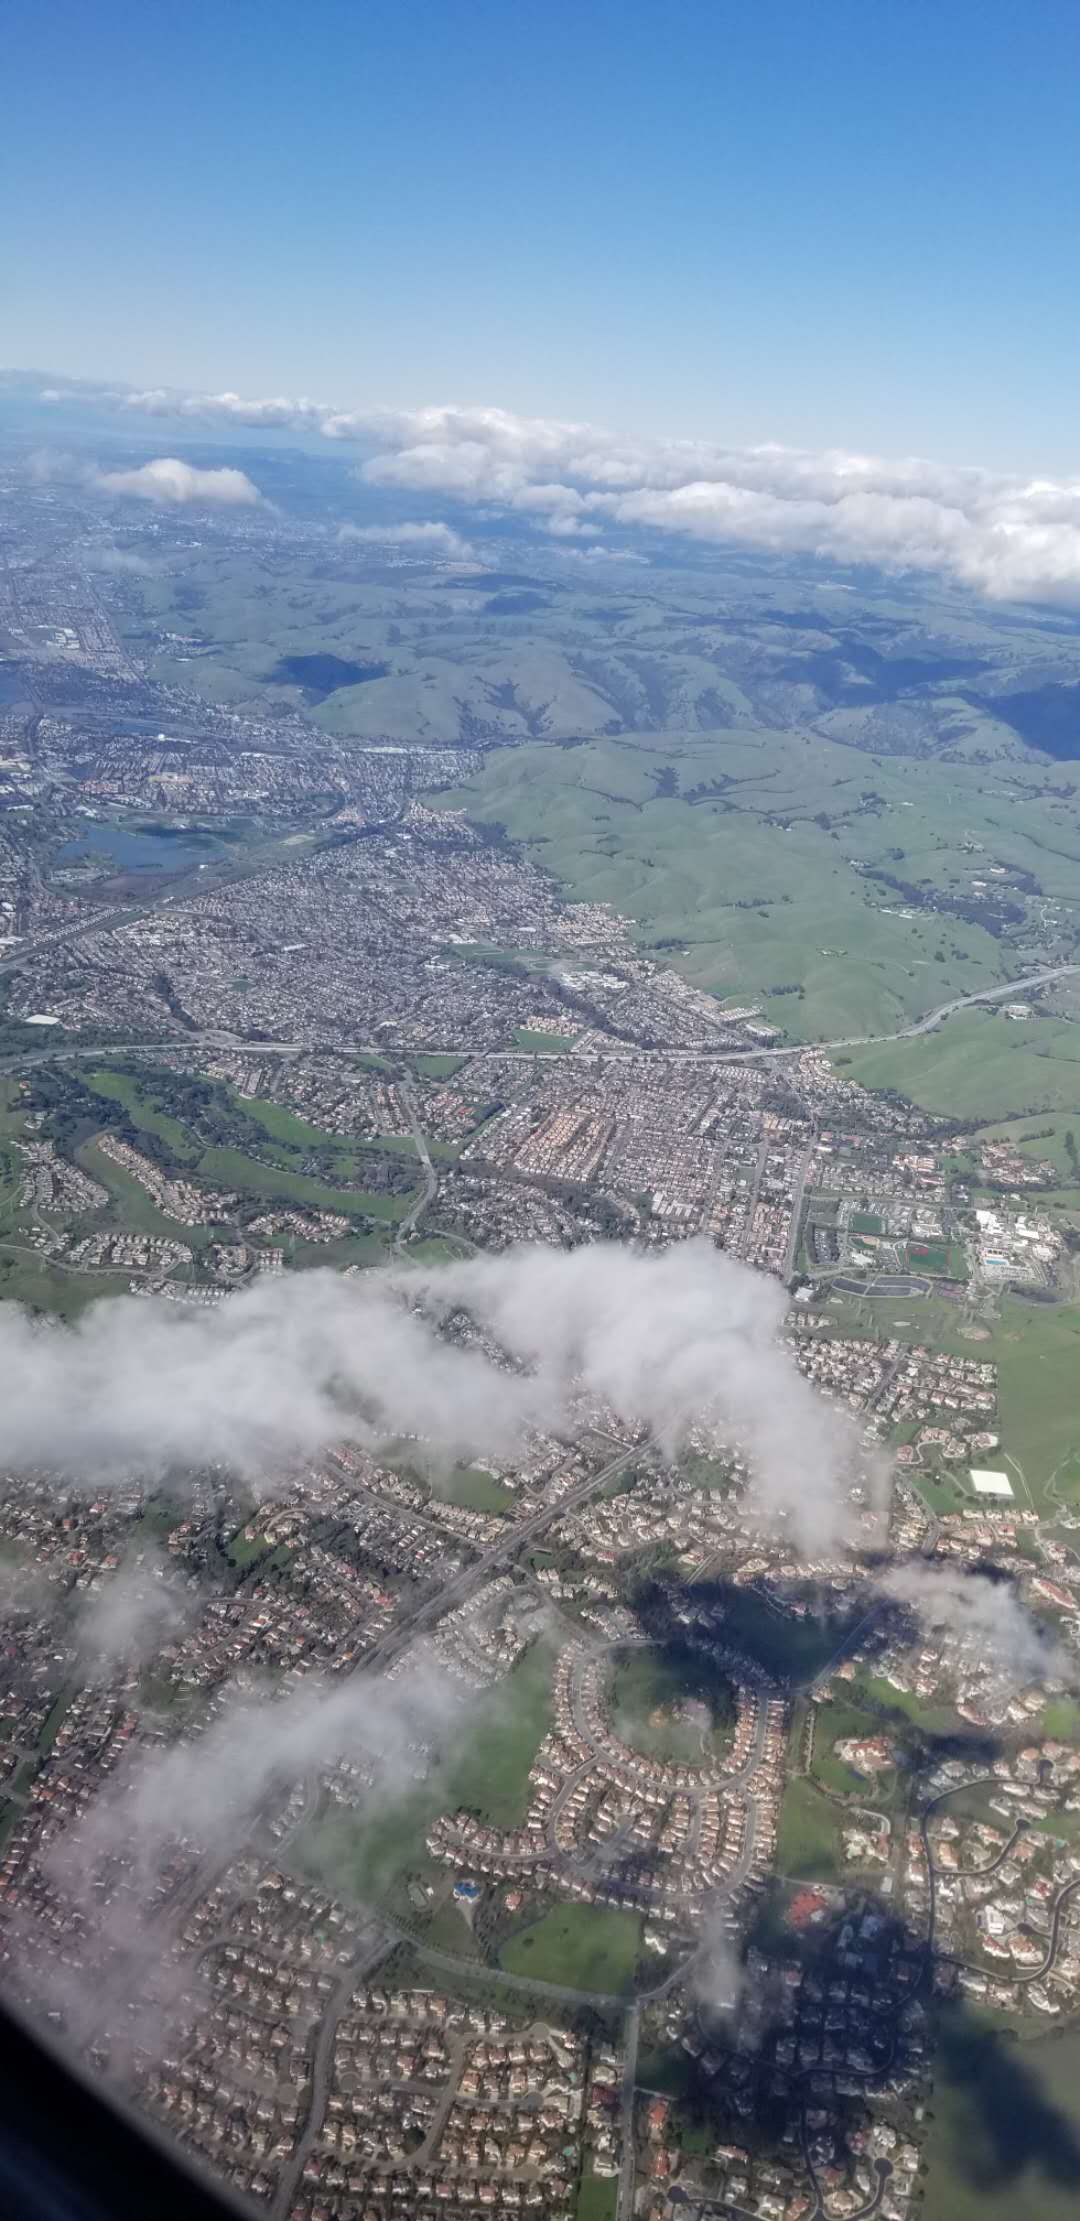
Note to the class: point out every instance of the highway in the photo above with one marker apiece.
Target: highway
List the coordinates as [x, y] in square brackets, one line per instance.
[507, 1546]
[918, 1026]
[478, 1052]
[430, 1187]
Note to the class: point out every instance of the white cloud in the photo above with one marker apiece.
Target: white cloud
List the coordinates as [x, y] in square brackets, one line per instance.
[439, 539]
[169, 481]
[278, 414]
[278, 1373]
[1007, 538]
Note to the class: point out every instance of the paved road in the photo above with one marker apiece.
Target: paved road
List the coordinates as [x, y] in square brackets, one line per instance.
[894, 1287]
[931, 1870]
[624, 2201]
[379, 1943]
[481, 1971]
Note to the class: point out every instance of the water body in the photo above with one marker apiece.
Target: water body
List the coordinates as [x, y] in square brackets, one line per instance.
[321, 675]
[13, 686]
[515, 605]
[142, 848]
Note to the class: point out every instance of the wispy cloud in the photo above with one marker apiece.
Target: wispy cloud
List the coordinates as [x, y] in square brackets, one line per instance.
[126, 1616]
[984, 1612]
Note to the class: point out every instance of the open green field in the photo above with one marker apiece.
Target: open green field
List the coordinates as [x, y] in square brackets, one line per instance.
[1036, 1349]
[1061, 1718]
[231, 1168]
[245, 1546]
[431, 1065]
[583, 1947]
[265, 1156]
[978, 1064]
[1004, 2137]
[132, 1206]
[137, 1100]
[808, 1843]
[944, 1493]
[667, 1713]
[439, 1249]
[935, 1719]
[837, 1722]
[281, 1124]
[932, 1319]
[597, 2198]
[1037, 1138]
[491, 1775]
[31, 1280]
[1037, 1353]
[471, 1486]
[246, 1132]
[526, 1037]
[448, 1930]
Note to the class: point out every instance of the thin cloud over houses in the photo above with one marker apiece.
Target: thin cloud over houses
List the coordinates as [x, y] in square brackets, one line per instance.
[1009, 538]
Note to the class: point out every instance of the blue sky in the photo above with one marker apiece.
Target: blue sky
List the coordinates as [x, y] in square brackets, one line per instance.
[844, 221]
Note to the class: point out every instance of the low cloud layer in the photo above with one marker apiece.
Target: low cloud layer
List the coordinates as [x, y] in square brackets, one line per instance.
[170, 482]
[1007, 537]
[276, 1374]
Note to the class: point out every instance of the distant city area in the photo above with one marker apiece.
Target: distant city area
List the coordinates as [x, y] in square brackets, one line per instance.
[551, 1831]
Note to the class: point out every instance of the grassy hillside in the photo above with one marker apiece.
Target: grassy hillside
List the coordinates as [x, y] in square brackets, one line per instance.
[842, 890]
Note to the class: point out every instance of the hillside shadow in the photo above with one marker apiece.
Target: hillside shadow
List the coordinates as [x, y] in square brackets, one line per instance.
[719, 1618]
[1010, 2127]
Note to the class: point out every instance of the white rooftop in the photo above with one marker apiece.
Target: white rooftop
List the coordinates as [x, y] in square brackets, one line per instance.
[990, 1484]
